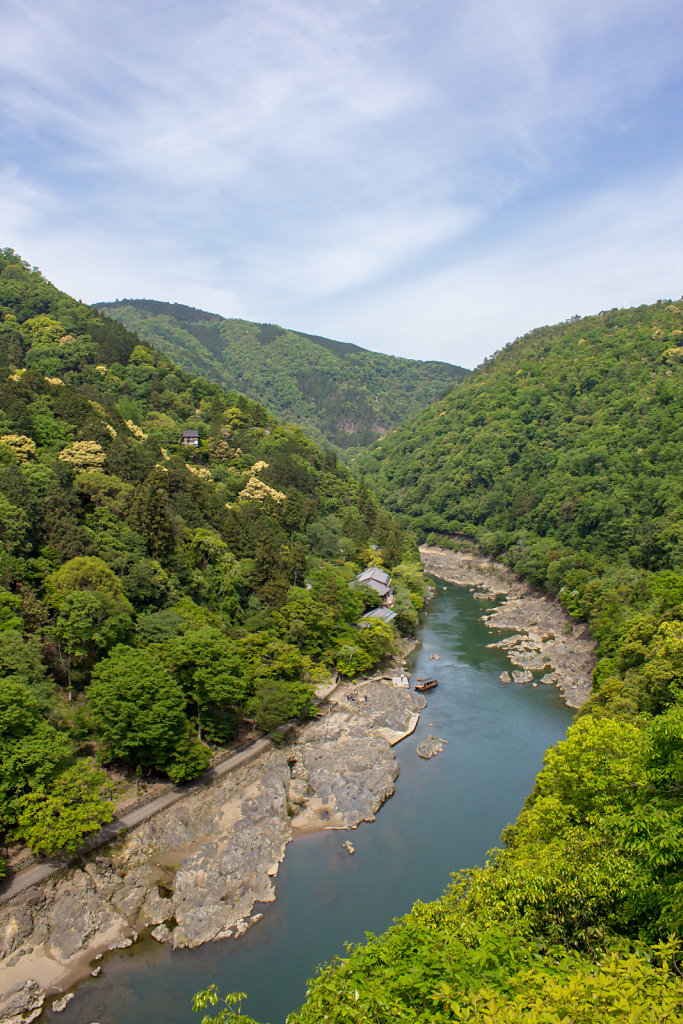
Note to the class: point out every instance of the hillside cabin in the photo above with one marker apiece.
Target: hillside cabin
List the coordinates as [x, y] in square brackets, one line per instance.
[378, 580]
[190, 437]
[383, 614]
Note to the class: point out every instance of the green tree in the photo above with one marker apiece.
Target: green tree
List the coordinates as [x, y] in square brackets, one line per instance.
[59, 817]
[151, 514]
[10, 609]
[89, 623]
[230, 1012]
[190, 758]
[21, 661]
[19, 709]
[137, 707]
[277, 699]
[28, 759]
[14, 528]
[210, 668]
[375, 637]
[84, 572]
[352, 660]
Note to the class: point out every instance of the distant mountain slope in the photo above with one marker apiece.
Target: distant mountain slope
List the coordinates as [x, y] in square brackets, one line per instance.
[569, 440]
[338, 392]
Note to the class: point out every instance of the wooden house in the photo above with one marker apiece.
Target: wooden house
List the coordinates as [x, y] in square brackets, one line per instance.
[190, 437]
[383, 614]
[378, 580]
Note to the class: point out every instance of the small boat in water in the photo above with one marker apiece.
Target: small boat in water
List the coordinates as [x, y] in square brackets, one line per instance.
[426, 684]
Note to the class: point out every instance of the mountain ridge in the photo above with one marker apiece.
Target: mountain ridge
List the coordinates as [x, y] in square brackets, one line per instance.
[339, 392]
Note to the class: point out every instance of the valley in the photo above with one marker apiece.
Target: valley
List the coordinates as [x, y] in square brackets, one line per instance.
[179, 566]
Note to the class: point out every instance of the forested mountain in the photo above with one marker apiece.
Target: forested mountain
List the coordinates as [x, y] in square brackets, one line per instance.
[337, 392]
[564, 450]
[562, 456]
[154, 593]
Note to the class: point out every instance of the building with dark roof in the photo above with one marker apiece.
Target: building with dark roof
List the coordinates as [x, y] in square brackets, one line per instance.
[378, 580]
[383, 614]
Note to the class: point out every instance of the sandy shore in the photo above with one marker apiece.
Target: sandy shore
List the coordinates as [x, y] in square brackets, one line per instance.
[546, 646]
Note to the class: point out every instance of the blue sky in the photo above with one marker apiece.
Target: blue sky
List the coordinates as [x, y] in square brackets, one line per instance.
[430, 178]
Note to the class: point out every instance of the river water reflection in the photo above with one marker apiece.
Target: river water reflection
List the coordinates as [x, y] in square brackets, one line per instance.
[446, 813]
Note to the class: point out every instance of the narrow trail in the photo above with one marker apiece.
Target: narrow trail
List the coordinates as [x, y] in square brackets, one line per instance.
[23, 880]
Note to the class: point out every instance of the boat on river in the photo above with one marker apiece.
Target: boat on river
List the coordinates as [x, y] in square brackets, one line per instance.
[426, 684]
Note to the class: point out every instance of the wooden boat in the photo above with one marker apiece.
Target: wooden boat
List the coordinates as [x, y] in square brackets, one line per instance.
[426, 684]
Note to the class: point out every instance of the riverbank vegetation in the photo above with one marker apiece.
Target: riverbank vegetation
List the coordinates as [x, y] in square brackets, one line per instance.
[338, 393]
[562, 457]
[155, 593]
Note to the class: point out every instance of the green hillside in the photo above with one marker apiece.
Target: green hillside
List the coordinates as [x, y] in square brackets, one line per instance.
[337, 392]
[562, 456]
[154, 594]
[568, 441]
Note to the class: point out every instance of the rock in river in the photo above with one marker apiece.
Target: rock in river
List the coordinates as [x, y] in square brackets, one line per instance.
[430, 747]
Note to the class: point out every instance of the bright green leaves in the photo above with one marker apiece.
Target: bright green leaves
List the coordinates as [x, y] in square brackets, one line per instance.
[211, 671]
[442, 965]
[92, 613]
[82, 573]
[230, 1012]
[598, 768]
[622, 988]
[279, 672]
[90, 622]
[137, 707]
[60, 815]
[664, 669]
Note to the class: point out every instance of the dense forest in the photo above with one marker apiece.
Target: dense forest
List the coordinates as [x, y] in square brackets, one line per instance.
[561, 456]
[154, 594]
[339, 393]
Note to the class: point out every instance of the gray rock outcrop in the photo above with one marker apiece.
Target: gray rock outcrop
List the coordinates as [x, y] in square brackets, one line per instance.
[192, 873]
[22, 1003]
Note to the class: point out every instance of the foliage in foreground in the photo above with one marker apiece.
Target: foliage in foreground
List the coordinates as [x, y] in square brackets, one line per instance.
[423, 971]
[570, 921]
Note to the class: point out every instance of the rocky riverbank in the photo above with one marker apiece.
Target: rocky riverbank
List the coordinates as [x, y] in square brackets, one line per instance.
[546, 646]
[194, 872]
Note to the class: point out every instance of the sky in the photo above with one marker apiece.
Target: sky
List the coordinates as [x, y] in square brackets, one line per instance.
[427, 178]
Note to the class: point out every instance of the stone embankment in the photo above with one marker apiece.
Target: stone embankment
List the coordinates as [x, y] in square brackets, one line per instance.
[193, 872]
[546, 646]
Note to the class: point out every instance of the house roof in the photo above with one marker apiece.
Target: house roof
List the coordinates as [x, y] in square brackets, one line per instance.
[381, 588]
[384, 614]
[373, 573]
[190, 433]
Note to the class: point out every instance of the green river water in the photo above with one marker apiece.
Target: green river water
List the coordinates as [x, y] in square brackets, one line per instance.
[446, 813]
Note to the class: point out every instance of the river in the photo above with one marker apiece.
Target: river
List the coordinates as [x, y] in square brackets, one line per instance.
[446, 813]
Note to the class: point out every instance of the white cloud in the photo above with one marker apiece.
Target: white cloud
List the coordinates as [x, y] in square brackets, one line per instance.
[23, 206]
[620, 248]
[360, 249]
